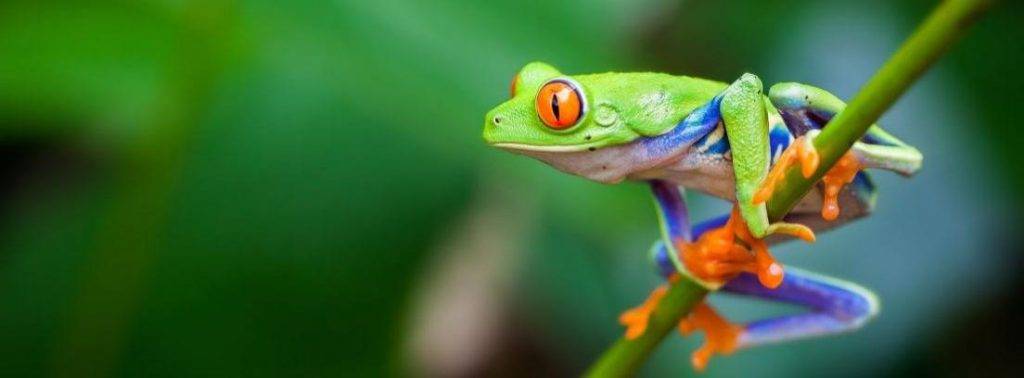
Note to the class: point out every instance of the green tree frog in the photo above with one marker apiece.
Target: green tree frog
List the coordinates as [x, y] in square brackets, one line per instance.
[731, 141]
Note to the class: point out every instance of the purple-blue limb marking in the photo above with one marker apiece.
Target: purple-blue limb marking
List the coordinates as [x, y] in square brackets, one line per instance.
[672, 213]
[836, 306]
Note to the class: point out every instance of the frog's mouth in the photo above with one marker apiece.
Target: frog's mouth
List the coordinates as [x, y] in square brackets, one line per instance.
[540, 148]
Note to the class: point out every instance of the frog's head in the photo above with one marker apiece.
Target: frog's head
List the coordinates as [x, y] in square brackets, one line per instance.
[584, 124]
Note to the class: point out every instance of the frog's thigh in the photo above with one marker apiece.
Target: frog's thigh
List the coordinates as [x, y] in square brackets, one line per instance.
[746, 125]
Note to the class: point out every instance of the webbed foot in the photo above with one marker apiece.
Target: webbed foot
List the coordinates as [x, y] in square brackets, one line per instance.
[718, 256]
[636, 318]
[720, 336]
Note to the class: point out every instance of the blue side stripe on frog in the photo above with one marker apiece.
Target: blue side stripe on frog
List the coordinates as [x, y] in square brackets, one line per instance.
[695, 126]
[779, 139]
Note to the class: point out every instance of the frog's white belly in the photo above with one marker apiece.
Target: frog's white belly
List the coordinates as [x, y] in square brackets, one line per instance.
[711, 174]
[692, 168]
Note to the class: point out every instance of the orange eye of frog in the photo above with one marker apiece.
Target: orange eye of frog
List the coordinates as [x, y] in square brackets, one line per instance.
[559, 104]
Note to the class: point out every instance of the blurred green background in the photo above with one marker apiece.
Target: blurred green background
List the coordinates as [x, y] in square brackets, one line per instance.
[268, 188]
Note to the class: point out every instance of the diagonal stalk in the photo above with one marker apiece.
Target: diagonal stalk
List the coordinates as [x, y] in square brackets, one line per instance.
[932, 38]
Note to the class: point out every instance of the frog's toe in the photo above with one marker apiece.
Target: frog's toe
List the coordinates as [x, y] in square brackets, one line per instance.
[793, 229]
[841, 174]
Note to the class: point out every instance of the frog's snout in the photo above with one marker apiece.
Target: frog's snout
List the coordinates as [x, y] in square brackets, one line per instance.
[492, 122]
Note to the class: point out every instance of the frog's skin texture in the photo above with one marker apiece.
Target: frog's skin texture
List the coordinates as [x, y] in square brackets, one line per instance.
[721, 139]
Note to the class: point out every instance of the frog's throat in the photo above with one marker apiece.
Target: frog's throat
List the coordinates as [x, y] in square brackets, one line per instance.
[613, 164]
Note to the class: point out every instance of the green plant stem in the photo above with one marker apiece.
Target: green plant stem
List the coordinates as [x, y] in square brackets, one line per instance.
[939, 31]
[625, 356]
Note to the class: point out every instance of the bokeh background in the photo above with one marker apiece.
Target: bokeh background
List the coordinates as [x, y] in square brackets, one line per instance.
[270, 188]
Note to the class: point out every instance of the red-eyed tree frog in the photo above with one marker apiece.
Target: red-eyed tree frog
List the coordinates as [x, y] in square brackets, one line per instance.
[731, 141]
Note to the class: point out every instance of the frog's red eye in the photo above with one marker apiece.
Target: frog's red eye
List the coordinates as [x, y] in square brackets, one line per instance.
[512, 87]
[559, 105]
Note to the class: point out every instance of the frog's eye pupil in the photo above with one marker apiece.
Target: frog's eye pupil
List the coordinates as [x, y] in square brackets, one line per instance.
[559, 104]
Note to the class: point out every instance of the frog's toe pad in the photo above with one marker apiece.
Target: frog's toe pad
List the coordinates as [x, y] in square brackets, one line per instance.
[720, 336]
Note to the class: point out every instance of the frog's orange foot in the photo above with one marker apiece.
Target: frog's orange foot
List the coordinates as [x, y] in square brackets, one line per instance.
[841, 174]
[720, 336]
[722, 253]
[636, 319]
[802, 151]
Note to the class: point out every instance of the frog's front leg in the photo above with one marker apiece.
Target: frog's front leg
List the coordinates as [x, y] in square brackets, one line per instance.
[718, 254]
[745, 114]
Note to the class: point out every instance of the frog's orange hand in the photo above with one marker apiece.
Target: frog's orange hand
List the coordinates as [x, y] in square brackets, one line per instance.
[768, 271]
[801, 151]
[720, 336]
[717, 257]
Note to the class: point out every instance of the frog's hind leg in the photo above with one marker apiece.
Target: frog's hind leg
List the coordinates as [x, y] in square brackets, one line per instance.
[806, 108]
[904, 160]
[835, 306]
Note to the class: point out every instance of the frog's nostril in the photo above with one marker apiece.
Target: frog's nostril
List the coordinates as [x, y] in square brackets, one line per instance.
[497, 120]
